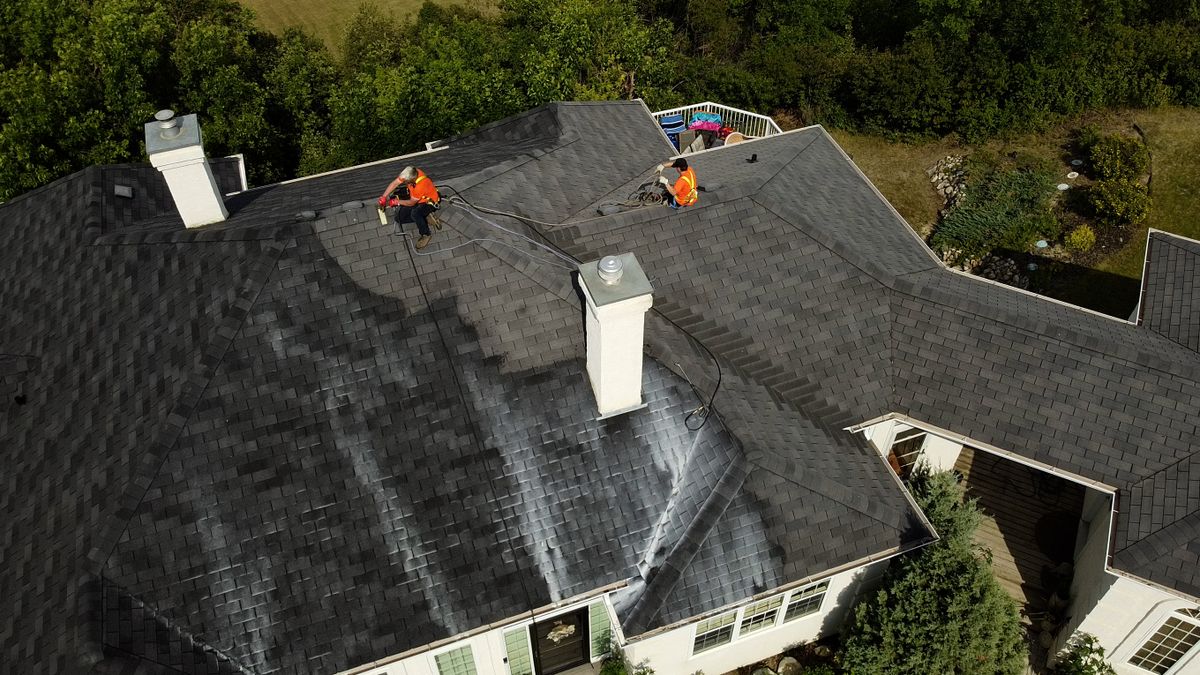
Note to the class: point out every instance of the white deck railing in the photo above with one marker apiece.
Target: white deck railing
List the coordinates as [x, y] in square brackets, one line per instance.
[751, 125]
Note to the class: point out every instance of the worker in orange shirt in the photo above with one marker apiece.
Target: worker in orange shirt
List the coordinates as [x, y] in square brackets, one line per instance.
[419, 207]
[683, 192]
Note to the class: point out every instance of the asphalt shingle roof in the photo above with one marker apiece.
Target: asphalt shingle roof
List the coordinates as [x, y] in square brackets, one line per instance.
[291, 445]
[1170, 304]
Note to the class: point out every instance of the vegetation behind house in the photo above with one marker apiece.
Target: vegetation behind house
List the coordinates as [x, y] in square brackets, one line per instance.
[78, 79]
[940, 610]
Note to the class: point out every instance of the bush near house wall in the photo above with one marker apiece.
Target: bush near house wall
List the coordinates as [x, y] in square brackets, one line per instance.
[940, 610]
[1084, 657]
[616, 663]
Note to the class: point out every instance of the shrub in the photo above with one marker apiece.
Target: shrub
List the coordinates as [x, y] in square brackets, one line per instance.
[1118, 158]
[1084, 657]
[1081, 239]
[1085, 137]
[1119, 202]
[940, 610]
[616, 663]
[942, 500]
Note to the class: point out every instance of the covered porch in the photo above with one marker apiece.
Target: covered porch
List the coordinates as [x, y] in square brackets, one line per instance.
[1031, 522]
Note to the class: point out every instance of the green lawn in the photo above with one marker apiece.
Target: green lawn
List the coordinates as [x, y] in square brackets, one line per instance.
[1174, 139]
[898, 170]
[1173, 134]
[327, 19]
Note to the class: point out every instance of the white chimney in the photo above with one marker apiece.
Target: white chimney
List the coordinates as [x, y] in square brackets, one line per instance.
[176, 149]
[617, 294]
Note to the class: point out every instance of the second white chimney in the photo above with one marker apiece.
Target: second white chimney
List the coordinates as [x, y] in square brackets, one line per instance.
[618, 294]
[176, 149]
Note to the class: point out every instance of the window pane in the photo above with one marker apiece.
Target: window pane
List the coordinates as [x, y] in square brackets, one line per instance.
[456, 662]
[806, 601]
[520, 660]
[1167, 646]
[761, 615]
[714, 632]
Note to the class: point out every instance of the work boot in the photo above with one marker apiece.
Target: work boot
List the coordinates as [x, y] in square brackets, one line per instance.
[423, 241]
[434, 221]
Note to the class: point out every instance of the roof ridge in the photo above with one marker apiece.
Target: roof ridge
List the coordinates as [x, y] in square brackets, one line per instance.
[1173, 239]
[1151, 476]
[1060, 333]
[659, 586]
[845, 496]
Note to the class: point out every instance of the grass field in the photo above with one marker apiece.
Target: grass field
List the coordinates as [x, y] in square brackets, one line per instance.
[1174, 139]
[898, 170]
[1173, 134]
[327, 19]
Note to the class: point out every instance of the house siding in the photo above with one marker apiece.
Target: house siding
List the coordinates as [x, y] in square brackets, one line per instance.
[670, 652]
[1091, 580]
[491, 648]
[1126, 615]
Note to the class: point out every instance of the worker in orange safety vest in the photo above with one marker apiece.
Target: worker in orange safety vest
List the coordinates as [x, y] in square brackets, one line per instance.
[683, 192]
[419, 207]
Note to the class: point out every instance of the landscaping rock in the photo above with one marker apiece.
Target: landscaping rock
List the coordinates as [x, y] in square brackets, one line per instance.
[789, 666]
[1003, 270]
[948, 178]
[763, 671]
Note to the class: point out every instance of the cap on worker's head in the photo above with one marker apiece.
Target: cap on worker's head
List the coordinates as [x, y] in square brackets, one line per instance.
[409, 173]
[680, 164]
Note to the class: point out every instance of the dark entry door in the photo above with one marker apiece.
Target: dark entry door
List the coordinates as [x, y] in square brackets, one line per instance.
[561, 643]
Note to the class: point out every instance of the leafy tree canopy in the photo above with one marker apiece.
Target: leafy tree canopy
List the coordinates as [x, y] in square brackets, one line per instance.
[78, 79]
[940, 610]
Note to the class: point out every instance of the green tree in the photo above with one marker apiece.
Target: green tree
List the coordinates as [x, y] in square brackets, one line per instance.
[590, 50]
[299, 86]
[940, 610]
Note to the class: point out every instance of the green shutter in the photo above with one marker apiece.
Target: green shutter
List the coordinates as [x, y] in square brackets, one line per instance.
[516, 643]
[456, 662]
[601, 628]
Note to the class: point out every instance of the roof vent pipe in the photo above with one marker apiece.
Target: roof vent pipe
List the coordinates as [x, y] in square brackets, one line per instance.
[168, 123]
[610, 269]
[617, 294]
[176, 149]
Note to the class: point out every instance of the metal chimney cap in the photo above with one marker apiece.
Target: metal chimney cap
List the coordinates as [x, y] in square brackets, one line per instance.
[170, 132]
[631, 282]
[611, 268]
[166, 118]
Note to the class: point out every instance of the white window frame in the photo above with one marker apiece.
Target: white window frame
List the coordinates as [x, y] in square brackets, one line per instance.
[798, 591]
[739, 615]
[747, 615]
[733, 626]
[1184, 614]
[433, 664]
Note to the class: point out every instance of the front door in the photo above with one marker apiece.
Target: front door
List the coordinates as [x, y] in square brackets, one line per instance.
[561, 643]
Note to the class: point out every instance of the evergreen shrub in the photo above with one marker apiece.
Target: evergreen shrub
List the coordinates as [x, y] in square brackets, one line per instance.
[1117, 203]
[1081, 239]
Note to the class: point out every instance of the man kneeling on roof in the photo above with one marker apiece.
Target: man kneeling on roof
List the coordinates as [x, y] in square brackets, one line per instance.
[684, 192]
[419, 206]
